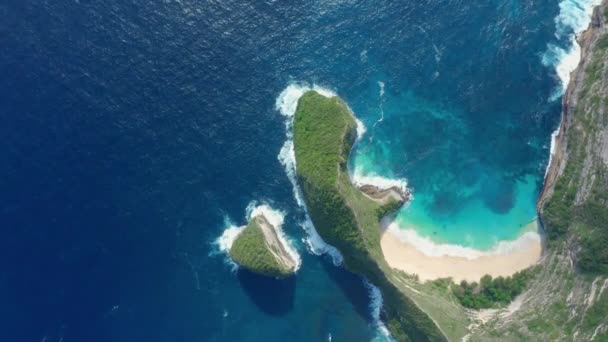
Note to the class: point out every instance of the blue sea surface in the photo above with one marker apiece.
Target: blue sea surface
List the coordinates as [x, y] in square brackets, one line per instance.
[135, 132]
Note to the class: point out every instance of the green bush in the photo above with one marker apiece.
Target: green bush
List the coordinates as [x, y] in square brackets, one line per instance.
[490, 293]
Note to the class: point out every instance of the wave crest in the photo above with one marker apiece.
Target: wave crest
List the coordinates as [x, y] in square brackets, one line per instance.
[375, 307]
[574, 17]
[360, 178]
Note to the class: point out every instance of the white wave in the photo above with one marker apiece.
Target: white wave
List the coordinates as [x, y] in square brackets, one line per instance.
[381, 85]
[574, 17]
[225, 241]
[287, 158]
[286, 104]
[287, 101]
[360, 178]
[361, 129]
[552, 147]
[276, 219]
[317, 245]
[375, 307]
[430, 248]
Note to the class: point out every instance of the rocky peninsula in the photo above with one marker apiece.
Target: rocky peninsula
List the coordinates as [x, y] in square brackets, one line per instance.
[324, 131]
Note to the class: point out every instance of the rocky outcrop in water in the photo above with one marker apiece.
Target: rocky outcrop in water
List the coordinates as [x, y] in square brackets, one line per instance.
[259, 249]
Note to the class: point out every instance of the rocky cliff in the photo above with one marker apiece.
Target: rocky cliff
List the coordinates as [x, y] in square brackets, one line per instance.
[574, 202]
[568, 299]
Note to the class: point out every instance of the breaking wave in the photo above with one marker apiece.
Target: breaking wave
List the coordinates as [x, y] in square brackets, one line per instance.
[574, 17]
[360, 178]
[224, 242]
[552, 147]
[375, 306]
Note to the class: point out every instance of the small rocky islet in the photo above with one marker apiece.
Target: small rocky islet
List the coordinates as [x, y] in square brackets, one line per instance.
[259, 249]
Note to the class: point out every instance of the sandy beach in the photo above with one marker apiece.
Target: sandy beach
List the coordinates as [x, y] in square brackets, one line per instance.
[415, 255]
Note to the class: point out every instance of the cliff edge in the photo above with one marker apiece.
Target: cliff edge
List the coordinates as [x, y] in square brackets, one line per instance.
[567, 300]
[574, 202]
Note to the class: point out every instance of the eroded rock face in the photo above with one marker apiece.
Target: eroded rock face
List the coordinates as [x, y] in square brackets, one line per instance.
[575, 110]
[385, 195]
[574, 202]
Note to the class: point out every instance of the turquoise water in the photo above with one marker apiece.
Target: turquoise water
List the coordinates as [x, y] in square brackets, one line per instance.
[468, 131]
[468, 191]
[473, 225]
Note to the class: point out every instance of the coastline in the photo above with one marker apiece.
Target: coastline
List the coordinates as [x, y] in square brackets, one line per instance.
[417, 255]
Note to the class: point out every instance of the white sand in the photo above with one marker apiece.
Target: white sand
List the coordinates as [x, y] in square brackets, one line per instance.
[505, 260]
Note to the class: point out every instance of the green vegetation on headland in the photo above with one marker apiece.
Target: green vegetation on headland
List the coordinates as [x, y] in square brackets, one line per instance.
[324, 132]
[253, 252]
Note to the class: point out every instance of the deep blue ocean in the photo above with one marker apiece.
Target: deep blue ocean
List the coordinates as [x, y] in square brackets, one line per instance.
[133, 132]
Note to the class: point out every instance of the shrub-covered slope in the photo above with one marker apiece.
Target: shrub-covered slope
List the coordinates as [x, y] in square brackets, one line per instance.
[253, 251]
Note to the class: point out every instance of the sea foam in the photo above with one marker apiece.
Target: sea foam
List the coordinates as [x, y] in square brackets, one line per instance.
[381, 85]
[574, 17]
[286, 104]
[224, 242]
[552, 147]
[433, 249]
[375, 306]
[360, 178]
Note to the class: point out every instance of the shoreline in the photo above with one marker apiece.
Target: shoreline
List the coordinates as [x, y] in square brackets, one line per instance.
[459, 263]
